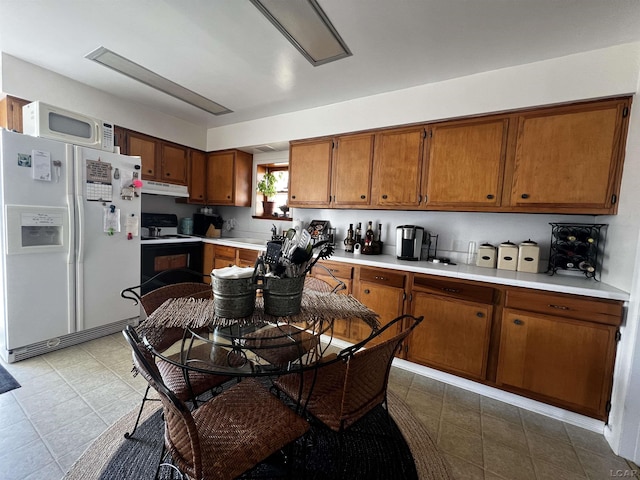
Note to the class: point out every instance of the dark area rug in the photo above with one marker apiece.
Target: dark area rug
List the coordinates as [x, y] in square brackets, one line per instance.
[7, 382]
[378, 447]
[373, 448]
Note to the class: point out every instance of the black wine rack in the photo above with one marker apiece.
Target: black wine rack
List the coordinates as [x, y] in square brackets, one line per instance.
[577, 247]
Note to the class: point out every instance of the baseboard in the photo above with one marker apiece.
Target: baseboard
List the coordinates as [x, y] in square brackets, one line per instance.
[46, 346]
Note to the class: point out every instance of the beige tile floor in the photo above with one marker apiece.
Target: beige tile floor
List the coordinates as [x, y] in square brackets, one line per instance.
[71, 396]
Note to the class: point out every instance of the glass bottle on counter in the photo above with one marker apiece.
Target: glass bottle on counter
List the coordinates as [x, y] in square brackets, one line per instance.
[358, 237]
[349, 241]
[367, 248]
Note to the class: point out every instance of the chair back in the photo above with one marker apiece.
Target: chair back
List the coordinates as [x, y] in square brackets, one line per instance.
[367, 372]
[181, 434]
[152, 300]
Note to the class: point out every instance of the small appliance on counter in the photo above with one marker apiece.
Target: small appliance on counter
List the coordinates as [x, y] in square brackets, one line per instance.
[409, 239]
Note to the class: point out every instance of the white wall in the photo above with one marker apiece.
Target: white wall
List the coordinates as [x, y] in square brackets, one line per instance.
[28, 81]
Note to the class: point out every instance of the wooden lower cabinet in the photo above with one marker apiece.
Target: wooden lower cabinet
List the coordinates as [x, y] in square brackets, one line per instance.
[246, 257]
[383, 292]
[454, 335]
[332, 273]
[558, 360]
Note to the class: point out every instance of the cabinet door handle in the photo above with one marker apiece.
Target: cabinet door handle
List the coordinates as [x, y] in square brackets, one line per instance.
[518, 322]
[167, 174]
[524, 195]
[490, 196]
[367, 291]
[480, 315]
[450, 290]
[384, 197]
[559, 307]
[293, 196]
[363, 197]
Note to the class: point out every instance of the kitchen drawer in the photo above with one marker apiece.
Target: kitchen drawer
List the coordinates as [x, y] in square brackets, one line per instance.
[382, 277]
[452, 288]
[338, 270]
[571, 306]
[225, 252]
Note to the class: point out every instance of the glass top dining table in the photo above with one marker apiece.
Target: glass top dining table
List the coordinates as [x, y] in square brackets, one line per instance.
[257, 345]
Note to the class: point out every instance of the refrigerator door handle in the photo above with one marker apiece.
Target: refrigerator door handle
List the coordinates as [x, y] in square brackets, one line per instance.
[79, 238]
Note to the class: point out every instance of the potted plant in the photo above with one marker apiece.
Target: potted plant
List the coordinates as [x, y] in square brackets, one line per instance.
[267, 187]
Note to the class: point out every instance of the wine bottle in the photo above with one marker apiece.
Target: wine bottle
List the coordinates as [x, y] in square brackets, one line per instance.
[349, 241]
[585, 237]
[358, 237]
[367, 248]
[566, 235]
[586, 267]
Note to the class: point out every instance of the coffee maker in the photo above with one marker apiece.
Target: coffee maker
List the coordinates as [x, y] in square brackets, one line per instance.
[409, 240]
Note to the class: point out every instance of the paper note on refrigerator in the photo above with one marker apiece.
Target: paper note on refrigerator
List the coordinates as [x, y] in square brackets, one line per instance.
[41, 168]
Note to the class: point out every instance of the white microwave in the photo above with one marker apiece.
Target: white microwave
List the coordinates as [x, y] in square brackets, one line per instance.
[42, 120]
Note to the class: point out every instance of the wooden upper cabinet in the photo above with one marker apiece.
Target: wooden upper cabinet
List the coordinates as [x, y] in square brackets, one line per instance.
[465, 164]
[11, 112]
[229, 178]
[569, 159]
[397, 167]
[161, 161]
[351, 170]
[310, 173]
[144, 147]
[173, 162]
[197, 176]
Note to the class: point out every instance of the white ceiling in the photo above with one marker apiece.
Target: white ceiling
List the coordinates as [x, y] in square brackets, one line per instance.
[227, 51]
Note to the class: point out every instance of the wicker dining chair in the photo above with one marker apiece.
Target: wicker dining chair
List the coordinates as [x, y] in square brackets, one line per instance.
[227, 435]
[186, 387]
[162, 338]
[345, 389]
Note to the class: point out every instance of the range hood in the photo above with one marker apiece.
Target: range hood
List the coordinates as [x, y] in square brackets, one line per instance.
[166, 189]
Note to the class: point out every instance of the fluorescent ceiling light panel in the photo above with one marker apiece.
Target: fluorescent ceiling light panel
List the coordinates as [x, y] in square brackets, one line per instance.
[126, 67]
[307, 27]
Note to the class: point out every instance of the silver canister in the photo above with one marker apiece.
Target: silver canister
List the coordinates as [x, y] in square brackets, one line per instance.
[528, 257]
[507, 256]
[486, 256]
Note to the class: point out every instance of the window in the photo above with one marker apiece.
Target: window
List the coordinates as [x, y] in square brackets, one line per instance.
[279, 206]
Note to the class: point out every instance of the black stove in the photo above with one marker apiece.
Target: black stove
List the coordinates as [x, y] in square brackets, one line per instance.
[164, 237]
[170, 257]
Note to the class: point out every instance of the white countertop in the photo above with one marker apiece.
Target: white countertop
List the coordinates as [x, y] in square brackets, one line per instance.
[577, 285]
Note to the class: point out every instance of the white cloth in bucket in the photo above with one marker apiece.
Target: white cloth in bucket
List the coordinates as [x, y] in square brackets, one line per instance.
[233, 272]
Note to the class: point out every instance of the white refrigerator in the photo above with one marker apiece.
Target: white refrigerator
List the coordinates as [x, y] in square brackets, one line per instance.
[70, 243]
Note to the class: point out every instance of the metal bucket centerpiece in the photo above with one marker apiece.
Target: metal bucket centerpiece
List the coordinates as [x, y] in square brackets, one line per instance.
[282, 296]
[234, 293]
[283, 268]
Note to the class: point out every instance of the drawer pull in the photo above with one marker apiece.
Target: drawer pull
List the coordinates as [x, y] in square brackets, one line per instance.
[367, 291]
[380, 278]
[518, 322]
[450, 290]
[559, 307]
